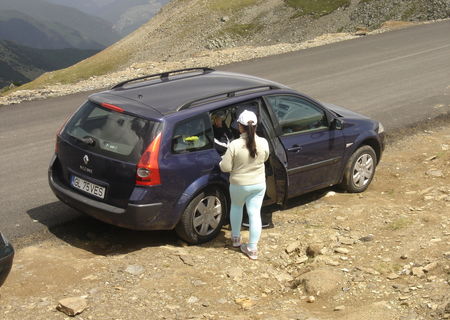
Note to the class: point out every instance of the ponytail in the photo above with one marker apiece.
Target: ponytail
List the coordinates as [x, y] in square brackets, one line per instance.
[250, 129]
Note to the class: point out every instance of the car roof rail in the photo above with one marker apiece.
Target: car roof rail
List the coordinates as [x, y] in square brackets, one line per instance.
[226, 95]
[164, 76]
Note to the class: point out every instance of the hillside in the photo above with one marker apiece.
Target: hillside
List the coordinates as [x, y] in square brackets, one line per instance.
[125, 16]
[187, 29]
[39, 24]
[130, 15]
[20, 64]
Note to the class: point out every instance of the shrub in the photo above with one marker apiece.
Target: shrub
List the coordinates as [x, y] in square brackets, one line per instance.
[316, 8]
[223, 5]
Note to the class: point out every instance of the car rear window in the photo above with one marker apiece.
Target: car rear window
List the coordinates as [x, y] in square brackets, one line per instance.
[111, 133]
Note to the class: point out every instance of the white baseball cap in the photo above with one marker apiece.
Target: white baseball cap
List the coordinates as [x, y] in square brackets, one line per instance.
[247, 116]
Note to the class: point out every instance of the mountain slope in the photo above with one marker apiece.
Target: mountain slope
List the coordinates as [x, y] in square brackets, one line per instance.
[56, 26]
[25, 30]
[130, 15]
[20, 64]
[184, 28]
[125, 16]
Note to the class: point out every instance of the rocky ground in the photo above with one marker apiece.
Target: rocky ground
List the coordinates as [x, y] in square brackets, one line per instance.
[383, 254]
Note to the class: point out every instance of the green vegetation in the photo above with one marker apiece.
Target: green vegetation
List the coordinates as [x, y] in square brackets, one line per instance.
[242, 30]
[387, 267]
[20, 64]
[97, 65]
[316, 8]
[223, 5]
[414, 8]
[398, 224]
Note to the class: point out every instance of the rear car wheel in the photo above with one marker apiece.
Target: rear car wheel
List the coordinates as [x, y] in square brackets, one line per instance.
[359, 170]
[203, 217]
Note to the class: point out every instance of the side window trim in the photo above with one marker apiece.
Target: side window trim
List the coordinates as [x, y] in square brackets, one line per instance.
[273, 117]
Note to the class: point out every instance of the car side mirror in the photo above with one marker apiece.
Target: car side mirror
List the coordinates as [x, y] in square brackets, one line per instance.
[337, 124]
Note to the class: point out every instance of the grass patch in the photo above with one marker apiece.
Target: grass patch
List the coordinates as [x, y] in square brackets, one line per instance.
[408, 13]
[398, 224]
[230, 5]
[387, 267]
[242, 30]
[316, 8]
[99, 64]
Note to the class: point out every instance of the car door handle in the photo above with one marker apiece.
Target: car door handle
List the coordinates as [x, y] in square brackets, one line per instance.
[295, 148]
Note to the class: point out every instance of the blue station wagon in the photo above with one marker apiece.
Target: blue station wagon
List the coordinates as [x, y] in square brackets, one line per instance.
[144, 155]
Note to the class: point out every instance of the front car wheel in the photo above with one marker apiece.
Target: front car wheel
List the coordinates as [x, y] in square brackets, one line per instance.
[360, 169]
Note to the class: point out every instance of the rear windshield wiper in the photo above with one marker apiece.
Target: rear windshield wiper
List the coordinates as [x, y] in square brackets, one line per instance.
[90, 141]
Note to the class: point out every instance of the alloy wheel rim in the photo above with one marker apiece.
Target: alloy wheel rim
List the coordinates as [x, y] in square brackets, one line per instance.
[363, 170]
[207, 215]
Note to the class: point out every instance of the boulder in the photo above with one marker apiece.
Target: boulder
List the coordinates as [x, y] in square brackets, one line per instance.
[320, 282]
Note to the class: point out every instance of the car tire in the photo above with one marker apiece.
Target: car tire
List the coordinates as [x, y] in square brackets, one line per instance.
[203, 218]
[360, 169]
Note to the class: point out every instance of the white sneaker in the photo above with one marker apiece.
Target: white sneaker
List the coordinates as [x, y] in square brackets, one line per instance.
[252, 254]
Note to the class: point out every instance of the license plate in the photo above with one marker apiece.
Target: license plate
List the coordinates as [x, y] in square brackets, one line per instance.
[88, 187]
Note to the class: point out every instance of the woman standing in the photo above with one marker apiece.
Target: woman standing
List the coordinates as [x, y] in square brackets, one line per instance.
[244, 159]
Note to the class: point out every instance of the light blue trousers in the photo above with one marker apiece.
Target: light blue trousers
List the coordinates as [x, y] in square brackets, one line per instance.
[252, 196]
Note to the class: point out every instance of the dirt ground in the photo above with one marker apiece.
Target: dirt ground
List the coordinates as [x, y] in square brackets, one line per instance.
[383, 254]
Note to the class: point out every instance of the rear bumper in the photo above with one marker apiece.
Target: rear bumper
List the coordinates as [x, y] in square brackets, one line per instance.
[135, 216]
[6, 260]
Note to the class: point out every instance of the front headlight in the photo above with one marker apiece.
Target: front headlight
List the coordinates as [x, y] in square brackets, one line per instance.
[380, 128]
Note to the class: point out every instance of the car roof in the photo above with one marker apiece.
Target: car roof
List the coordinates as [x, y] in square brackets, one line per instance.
[166, 95]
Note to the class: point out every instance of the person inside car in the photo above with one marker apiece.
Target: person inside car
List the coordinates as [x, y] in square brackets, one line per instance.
[222, 134]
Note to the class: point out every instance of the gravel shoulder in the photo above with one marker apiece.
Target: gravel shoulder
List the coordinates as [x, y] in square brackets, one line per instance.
[382, 254]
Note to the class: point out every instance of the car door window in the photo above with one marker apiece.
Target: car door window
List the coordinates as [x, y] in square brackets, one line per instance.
[295, 114]
[192, 135]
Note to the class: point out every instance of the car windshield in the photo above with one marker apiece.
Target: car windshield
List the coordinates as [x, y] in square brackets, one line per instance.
[110, 133]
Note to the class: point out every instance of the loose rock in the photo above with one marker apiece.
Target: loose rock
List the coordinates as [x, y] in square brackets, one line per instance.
[135, 270]
[72, 306]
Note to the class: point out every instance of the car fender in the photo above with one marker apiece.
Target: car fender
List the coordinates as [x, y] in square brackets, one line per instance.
[203, 182]
[360, 140]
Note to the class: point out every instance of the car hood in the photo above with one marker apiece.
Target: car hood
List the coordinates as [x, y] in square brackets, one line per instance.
[344, 112]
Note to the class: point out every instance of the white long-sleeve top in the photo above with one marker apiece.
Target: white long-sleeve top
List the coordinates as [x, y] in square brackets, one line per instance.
[245, 170]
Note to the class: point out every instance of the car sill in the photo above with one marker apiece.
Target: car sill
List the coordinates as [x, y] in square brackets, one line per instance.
[314, 165]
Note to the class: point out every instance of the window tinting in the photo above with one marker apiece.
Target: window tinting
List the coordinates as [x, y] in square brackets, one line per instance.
[295, 114]
[109, 132]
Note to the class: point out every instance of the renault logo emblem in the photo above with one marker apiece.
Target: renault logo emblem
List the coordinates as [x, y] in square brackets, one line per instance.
[85, 159]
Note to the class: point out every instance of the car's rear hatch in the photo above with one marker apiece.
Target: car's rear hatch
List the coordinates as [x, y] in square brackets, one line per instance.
[98, 150]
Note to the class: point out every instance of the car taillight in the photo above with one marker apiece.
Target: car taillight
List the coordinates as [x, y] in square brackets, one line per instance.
[147, 173]
[58, 133]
